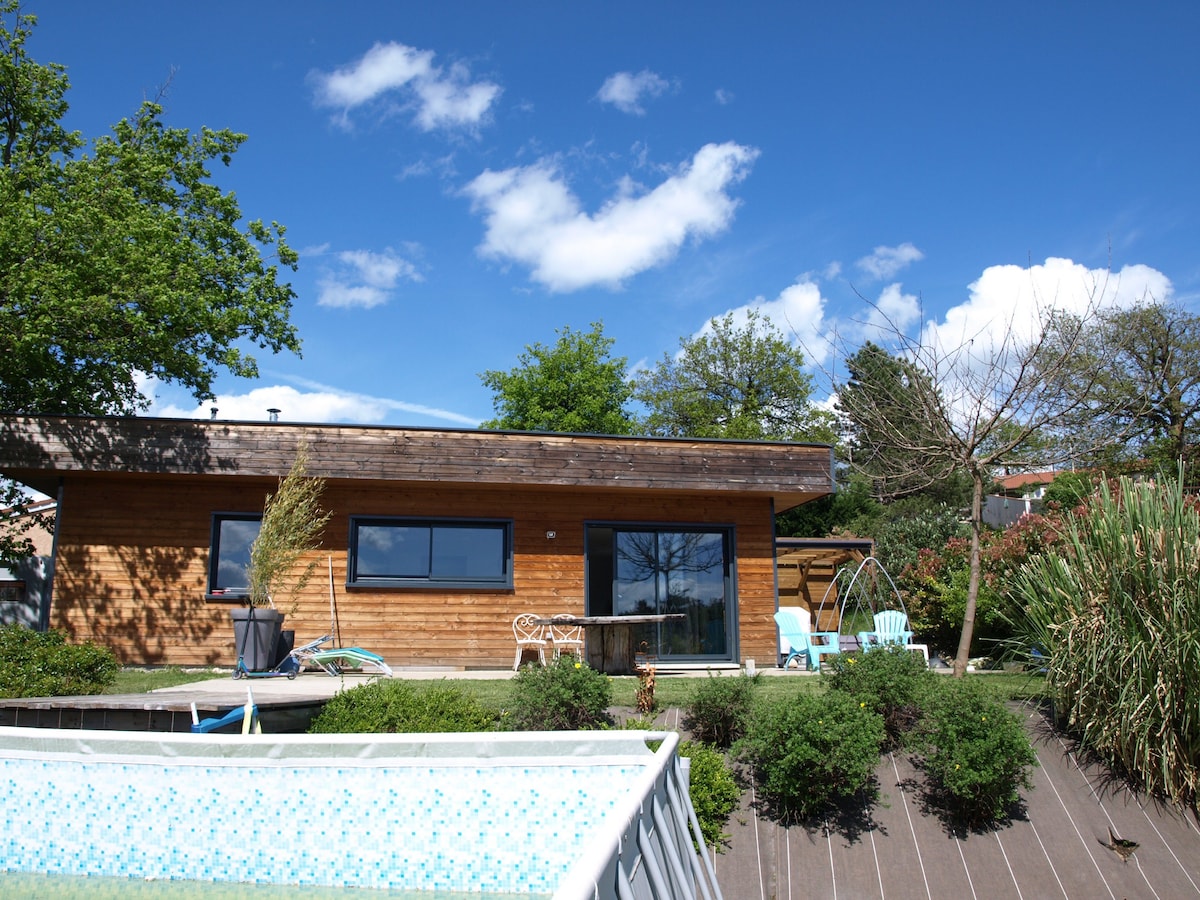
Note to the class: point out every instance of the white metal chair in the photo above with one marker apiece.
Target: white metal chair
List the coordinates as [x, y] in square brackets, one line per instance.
[530, 636]
[566, 636]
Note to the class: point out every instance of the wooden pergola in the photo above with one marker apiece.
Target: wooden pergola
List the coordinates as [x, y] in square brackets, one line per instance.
[807, 566]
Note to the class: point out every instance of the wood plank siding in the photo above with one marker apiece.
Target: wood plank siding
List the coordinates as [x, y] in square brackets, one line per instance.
[137, 498]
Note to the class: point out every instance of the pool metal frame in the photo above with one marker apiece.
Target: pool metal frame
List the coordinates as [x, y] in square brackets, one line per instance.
[642, 850]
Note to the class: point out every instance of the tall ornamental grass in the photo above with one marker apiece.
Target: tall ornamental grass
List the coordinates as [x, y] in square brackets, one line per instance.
[1116, 611]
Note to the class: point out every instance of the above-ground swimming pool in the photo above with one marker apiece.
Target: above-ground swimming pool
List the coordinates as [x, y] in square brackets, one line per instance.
[592, 814]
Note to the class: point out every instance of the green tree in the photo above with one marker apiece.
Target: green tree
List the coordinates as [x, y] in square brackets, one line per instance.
[118, 260]
[572, 387]
[1148, 360]
[124, 260]
[745, 383]
[936, 411]
[892, 445]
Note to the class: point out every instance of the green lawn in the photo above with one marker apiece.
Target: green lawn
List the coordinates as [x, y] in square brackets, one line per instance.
[141, 681]
[670, 690]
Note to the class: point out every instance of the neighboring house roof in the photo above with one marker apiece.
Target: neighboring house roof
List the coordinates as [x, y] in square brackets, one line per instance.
[43, 538]
[1020, 483]
[36, 450]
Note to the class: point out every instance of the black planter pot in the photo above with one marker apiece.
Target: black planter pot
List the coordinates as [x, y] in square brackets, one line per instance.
[256, 636]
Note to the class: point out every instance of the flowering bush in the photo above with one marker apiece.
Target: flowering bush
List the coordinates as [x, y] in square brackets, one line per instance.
[566, 695]
[808, 750]
[713, 790]
[976, 753]
[890, 679]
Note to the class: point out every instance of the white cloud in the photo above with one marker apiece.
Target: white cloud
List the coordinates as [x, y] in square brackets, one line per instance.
[440, 98]
[894, 311]
[723, 97]
[1013, 297]
[320, 403]
[798, 313]
[625, 90]
[885, 262]
[533, 218]
[364, 279]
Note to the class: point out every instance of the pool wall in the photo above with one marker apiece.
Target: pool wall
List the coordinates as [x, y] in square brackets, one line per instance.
[568, 815]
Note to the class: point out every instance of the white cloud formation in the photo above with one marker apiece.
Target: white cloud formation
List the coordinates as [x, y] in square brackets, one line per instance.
[1014, 298]
[533, 218]
[364, 279]
[625, 90]
[320, 403]
[441, 98]
[799, 314]
[894, 311]
[885, 262]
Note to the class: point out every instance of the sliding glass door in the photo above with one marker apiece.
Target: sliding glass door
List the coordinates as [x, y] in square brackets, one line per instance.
[639, 570]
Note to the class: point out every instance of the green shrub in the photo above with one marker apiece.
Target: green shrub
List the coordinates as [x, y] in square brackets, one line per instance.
[43, 664]
[720, 708]
[890, 679]
[713, 790]
[399, 707]
[976, 752]
[566, 695]
[1115, 613]
[809, 750]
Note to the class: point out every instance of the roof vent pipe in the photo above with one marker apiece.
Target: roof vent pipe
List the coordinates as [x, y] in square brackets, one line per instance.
[212, 412]
[274, 414]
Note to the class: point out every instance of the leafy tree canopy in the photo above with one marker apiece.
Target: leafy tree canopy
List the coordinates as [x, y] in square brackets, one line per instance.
[572, 387]
[1147, 362]
[121, 259]
[743, 382]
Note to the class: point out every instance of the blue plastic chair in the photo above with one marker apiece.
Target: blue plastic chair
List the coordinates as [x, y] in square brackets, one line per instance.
[795, 628]
[891, 627]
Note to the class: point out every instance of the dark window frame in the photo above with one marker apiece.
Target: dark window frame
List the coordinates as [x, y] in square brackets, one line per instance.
[216, 591]
[604, 573]
[433, 581]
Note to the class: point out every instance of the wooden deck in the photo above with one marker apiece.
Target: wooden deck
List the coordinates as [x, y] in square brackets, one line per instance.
[158, 711]
[1054, 847]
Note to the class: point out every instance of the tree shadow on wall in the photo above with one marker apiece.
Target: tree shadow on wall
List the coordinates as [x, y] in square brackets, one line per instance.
[147, 612]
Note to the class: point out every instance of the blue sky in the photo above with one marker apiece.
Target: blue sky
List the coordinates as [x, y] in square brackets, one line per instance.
[463, 179]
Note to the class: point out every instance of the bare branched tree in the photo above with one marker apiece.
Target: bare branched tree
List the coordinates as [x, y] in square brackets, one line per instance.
[924, 410]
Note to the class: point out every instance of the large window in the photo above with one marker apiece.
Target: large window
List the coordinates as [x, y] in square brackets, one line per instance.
[393, 552]
[640, 570]
[229, 556]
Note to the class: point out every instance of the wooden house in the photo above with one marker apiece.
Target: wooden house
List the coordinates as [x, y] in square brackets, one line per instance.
[438, 538]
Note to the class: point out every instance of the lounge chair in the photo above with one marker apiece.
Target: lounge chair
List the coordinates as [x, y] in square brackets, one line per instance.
[891, 627]
[795, 629]
[339, 658]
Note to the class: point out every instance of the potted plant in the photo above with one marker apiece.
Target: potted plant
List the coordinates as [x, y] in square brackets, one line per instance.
[291, 527]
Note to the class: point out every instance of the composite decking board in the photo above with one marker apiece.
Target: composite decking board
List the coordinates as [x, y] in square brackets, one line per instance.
[1162, 866]
[1056, 839]
[911, 863]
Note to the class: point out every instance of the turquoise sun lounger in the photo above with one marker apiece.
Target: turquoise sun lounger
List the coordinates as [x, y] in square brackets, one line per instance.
[335, 660]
